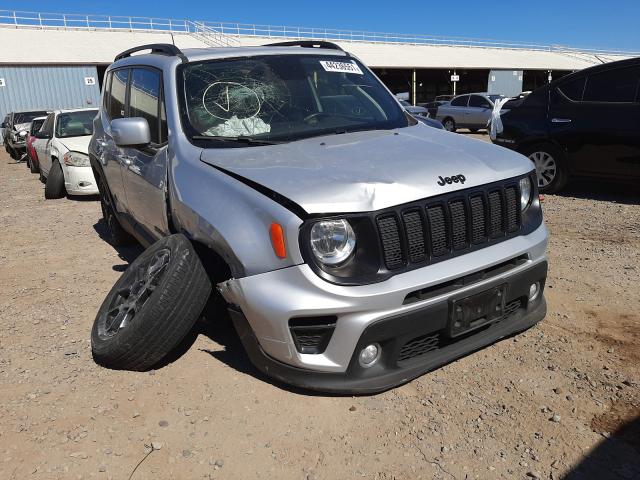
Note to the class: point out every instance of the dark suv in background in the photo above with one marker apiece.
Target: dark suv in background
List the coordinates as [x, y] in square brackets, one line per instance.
[584, 124]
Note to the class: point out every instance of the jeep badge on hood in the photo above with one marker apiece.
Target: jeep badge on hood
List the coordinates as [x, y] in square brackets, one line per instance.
[453, 179]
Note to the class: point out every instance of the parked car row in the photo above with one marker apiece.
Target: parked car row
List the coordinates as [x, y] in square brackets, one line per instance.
[55, 145]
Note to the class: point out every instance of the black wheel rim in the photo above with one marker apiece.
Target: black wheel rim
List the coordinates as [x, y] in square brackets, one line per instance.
[138, 285]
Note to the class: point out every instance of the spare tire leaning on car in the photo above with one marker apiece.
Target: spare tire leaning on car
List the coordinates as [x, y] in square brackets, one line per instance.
[152, 306]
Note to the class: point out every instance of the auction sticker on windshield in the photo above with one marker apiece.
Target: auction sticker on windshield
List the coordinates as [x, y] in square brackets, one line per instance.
[341, 67]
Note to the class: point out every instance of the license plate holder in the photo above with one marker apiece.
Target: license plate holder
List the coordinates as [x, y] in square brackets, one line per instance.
[477, 310]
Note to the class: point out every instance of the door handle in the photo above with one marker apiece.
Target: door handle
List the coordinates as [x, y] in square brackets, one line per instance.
[560, 120]
[125, 160]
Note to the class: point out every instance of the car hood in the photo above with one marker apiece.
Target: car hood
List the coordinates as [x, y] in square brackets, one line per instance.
[371, 170]
[77, 144]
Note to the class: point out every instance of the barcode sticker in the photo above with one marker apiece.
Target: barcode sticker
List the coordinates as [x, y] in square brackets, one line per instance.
[341, 67]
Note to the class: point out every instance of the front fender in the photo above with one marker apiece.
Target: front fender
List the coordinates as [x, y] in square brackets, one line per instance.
[230, 217]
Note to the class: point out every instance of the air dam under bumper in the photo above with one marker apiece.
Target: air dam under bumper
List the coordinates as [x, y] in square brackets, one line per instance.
[424, 327]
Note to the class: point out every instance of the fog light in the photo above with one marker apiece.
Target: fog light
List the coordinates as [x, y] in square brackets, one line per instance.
[534, 290]
[369, 355]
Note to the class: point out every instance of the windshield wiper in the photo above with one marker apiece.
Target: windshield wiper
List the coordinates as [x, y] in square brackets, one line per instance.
[247, 140]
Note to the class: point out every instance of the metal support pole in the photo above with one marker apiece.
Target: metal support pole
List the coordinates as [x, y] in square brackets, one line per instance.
[454, 83]
[413, 87]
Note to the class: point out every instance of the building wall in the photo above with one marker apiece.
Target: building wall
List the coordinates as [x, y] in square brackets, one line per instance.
[505, 82]
[47, 88]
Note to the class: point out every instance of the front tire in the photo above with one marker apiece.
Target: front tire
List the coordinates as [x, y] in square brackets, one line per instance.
[152, 306]
[54, 187]
[551, 166]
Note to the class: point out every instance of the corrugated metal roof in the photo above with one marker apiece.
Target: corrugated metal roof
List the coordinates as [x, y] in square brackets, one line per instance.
[101, 46]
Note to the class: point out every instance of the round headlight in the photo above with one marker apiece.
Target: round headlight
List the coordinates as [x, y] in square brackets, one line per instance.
[332, 241]
[525, 193]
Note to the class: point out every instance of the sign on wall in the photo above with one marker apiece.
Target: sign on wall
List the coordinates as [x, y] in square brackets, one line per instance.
[2, 82]
[89, 80]
[455, 78]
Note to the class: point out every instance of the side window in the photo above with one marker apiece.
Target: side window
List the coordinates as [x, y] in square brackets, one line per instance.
[47, 126]
[460, 101]
[106, 95]
[573, 89]
[619, 85]
[118, 92]
[144, 99]
[478, 101]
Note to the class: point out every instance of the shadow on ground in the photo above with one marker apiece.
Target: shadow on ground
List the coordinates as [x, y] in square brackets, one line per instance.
[127, 254]
[603, 190]
[617, 457]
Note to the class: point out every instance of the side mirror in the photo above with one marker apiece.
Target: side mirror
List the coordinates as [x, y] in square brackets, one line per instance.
[128, 132]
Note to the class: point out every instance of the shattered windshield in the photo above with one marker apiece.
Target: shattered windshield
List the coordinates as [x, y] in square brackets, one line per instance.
[284, 98]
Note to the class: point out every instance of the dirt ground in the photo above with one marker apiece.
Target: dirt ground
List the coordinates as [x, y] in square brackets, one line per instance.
[561, 400]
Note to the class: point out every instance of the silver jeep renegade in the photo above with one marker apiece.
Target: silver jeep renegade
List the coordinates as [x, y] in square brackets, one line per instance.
[354, 247]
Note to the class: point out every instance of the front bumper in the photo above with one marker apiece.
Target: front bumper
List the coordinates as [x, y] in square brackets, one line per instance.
[79, 181]
[262, 306]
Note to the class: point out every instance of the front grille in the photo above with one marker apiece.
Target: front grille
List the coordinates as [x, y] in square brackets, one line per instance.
[438, 228]
[419, 346]
[427, 343]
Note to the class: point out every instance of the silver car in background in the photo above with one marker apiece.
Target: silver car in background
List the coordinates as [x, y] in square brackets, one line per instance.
[471, 110]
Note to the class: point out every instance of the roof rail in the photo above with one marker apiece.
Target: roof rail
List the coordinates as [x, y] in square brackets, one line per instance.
[306, 44]
[159, 48]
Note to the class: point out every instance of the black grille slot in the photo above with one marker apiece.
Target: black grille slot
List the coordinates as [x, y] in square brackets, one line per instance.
[478, 219]
[437, 230]
[511, 308]
[390, 238]
[458, 224]
[495, 214]
[415, 236]
[419, 346]
[312, 334]
[511, 201]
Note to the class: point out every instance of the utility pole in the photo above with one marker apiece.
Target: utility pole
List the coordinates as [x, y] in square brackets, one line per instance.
[413, 87]
[455, 83]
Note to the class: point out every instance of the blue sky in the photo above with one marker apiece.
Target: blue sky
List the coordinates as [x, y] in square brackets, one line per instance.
[582, 23]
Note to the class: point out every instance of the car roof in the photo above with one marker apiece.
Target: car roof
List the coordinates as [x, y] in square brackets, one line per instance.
[629, 62]
[217, 53]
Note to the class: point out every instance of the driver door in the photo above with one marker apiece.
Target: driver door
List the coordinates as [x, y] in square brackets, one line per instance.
[144, 168]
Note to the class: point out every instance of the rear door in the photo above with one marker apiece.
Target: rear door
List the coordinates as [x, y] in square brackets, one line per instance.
[144, 168]
[596, 119]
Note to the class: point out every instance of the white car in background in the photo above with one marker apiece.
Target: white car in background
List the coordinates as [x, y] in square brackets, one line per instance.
[61, 146]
